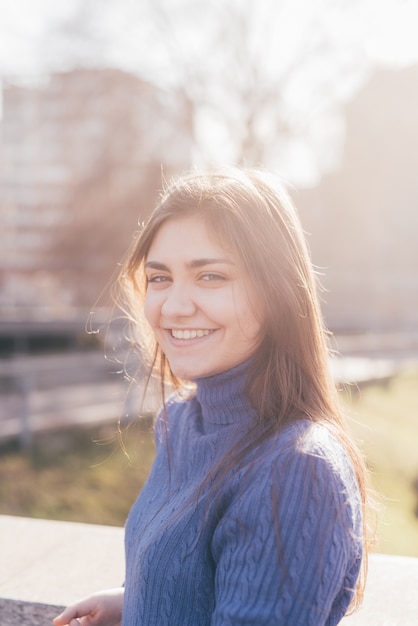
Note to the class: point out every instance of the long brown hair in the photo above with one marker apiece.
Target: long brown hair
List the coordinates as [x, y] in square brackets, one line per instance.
[251, 215]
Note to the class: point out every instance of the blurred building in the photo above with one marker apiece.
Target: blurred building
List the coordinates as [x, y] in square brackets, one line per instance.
[86, 147]
[363, 218]
[55, 136]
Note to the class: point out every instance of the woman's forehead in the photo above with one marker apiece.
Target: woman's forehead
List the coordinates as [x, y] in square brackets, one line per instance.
[190, 228]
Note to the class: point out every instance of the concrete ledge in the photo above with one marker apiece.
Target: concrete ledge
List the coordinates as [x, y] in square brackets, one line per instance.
[391, 597]
[45, 565]
[57, 563]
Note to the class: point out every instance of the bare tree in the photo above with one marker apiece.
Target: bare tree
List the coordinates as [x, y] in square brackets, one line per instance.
[114, 162]
[255, 74]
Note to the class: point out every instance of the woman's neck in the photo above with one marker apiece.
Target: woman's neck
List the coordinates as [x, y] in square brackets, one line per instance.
[223, 397]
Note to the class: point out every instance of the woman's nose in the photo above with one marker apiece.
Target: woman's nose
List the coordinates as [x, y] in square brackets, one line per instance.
[178, 302]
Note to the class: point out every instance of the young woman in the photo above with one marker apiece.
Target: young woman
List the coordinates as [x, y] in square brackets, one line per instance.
[254, 510]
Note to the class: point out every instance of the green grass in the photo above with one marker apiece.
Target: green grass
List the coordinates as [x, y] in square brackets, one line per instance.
[76, 475]
[384, 421]
[84, 475]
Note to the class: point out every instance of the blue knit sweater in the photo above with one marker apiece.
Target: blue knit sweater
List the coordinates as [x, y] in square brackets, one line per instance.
[278, 543]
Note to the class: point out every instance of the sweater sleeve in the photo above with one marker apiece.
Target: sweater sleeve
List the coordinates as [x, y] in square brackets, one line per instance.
[286, 551]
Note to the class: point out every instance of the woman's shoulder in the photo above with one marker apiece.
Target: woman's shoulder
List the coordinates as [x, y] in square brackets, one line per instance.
[308, 447]
[304, 436]
[304, 468]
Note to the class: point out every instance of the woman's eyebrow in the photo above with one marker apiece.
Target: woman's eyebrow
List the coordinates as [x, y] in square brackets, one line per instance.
[196, 263]
[154, 265]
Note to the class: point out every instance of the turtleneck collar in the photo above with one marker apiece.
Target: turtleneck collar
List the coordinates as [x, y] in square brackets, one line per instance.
[223, 397]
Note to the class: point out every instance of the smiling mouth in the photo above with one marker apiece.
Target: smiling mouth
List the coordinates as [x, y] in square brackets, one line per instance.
[190, 333]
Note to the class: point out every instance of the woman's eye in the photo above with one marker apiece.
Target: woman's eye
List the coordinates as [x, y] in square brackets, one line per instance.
[210, 276]
[157, 278]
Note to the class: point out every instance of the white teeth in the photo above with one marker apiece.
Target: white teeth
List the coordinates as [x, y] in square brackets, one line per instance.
[188, 334]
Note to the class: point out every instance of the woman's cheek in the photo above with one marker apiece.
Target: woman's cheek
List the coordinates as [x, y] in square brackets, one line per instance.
[151, 309]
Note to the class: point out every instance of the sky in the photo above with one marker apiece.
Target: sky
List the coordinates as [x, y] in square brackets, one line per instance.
[383, 33]
[389, 28]
[22, 26]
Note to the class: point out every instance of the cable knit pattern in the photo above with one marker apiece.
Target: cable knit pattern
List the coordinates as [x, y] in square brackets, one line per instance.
[280, 543]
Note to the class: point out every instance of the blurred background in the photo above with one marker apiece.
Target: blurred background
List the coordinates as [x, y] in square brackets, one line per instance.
[100, 101]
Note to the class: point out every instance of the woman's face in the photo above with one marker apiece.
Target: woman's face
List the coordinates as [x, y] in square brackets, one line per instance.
[199, 301]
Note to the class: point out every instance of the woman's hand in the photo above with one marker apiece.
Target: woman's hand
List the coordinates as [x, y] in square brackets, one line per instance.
[100, 609]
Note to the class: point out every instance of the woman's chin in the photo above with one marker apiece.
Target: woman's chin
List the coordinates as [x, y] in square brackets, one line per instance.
[191, 372]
